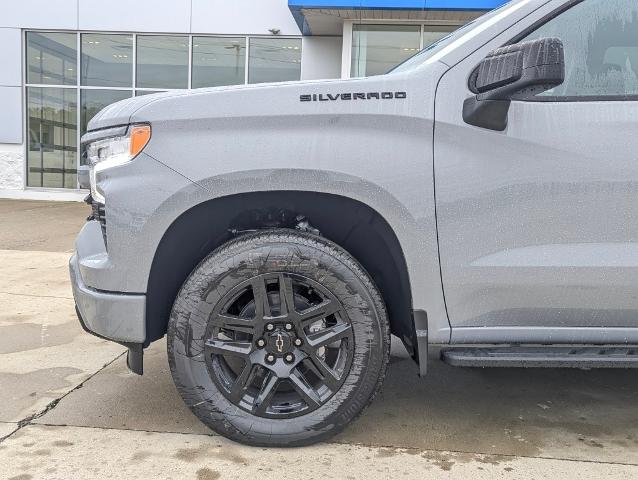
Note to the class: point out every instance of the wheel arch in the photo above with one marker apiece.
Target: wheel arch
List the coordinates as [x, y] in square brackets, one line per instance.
[350, 223]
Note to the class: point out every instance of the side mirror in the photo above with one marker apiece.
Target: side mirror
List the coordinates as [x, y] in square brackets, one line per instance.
[518, 71]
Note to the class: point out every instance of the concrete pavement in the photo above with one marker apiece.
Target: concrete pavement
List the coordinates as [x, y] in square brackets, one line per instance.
[40, 226]
[92, 453]
[70, 409]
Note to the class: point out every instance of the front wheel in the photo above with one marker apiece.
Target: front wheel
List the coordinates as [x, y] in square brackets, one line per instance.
[278, 339]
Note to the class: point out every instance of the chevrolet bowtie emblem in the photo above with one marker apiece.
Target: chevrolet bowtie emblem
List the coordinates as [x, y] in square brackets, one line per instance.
[279, 343]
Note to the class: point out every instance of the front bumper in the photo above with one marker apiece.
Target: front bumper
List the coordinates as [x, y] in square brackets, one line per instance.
[105, 315]
[119, 317]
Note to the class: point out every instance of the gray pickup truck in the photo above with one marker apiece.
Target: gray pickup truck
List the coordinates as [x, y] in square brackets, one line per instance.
[481, 197]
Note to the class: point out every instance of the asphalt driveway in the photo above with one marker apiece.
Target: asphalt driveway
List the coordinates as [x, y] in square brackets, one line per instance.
[70, 409]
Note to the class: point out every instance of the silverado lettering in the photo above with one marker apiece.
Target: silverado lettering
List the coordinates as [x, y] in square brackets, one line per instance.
[320, 97]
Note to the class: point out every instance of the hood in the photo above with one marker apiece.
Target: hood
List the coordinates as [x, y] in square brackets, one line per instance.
[229, 100]
[122, 112]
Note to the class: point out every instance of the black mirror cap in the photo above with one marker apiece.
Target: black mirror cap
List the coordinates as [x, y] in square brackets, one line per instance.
[522, 69]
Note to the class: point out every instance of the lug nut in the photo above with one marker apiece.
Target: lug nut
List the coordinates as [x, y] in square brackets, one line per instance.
[270, 358]
[298, 342]
[261, 343]
[288, 326]
[270, 327]
[289, 357]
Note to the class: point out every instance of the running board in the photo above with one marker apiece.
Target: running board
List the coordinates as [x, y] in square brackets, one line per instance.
[542, 357]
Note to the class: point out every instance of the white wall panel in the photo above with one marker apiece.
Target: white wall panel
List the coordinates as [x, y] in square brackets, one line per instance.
[242, 16]
[10, 57]
[11, 115]
[60, 14]
[136, 16]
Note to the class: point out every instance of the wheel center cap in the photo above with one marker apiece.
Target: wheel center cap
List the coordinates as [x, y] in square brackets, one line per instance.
[279, 342]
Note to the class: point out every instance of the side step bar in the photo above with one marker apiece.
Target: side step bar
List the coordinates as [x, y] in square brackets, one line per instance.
[542, 357]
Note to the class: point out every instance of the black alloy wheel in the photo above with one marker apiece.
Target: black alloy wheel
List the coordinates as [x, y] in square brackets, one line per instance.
[278, 345]
[278, 338]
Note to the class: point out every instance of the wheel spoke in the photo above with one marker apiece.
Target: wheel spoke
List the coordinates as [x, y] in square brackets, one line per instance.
[229, 347]
[267, 391]
[318, 312]
[262, 304]
[329, 335]
[236, 324]
[286, 295]
[241, 384]
[309, 394]
[322, 371]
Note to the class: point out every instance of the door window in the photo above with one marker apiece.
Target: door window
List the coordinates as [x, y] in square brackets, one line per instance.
[601, 48]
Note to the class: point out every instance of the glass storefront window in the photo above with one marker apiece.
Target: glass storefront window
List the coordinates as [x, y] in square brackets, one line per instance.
[376, 49]
[218, 61]
[107, 60]
[433, 34]
[52, 137]
[51, 58]
[274, 60]
[60, 101]
[162, 61]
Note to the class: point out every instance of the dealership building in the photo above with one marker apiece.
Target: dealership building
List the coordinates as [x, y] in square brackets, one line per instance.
[64, 60]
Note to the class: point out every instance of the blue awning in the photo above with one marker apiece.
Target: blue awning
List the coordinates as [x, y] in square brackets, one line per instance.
[300, 8]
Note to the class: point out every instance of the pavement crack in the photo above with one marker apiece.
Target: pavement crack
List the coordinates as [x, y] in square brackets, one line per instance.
[36, 296]
[122, 429]
[52, 404]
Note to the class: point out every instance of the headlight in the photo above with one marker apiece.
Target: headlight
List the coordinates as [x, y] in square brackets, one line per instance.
[112, 151]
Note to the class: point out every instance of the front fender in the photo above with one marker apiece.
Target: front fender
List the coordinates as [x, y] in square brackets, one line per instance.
[378, 152]
[416, 234]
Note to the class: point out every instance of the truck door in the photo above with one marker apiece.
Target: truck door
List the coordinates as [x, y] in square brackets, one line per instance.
[538, 224]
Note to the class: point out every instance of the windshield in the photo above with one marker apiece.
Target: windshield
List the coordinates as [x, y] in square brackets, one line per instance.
[427, 52]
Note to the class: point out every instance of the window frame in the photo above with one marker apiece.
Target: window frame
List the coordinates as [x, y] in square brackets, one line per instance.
[558, 98]
[78, 87]
[27, 138]
[81, 71]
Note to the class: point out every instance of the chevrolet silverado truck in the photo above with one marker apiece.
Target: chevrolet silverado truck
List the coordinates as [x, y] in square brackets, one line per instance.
[482, 197]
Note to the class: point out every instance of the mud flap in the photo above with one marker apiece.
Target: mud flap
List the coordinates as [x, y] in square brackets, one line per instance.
[135, 358]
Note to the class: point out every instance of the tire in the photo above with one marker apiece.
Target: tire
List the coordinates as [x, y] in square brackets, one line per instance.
[232, 316]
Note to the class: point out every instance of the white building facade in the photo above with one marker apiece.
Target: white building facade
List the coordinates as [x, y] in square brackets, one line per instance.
[63, 60]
